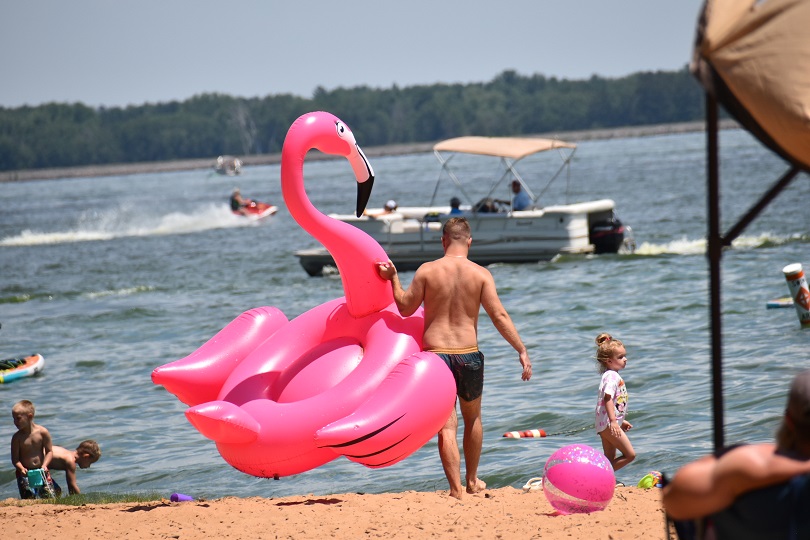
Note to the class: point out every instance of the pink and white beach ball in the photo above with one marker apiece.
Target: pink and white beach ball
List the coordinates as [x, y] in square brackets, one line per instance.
[578, 479]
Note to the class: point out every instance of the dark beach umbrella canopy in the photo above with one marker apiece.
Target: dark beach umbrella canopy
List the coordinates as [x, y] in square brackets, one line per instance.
[753, 58]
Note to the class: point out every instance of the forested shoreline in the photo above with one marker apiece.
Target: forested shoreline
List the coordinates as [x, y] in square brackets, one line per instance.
[191, 132]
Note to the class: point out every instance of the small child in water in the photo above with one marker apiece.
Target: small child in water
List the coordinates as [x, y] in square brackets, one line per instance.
[87, 453]
[31, 454]
[611, 403]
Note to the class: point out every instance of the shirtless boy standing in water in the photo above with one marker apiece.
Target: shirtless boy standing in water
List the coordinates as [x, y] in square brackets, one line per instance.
[31, 450]
[453, 290]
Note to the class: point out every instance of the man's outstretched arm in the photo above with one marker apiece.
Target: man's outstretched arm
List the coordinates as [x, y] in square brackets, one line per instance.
[503, 323]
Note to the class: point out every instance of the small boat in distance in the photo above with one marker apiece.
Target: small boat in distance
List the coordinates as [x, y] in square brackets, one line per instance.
[503, 230]
[256, 210]
[228, 165]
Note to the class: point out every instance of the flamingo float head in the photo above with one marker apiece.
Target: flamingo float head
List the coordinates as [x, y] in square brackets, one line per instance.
[356, 254]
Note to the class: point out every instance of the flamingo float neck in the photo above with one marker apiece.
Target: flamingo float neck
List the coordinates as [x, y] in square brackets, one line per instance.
[355, 252]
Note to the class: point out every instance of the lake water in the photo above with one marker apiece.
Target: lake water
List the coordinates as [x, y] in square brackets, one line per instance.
[111, 277]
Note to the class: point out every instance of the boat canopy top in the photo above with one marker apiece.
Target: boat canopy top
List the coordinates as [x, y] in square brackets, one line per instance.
[515, 148]
[510, 150]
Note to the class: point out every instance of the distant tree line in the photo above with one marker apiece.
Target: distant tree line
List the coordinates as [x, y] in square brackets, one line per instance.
[208, 125]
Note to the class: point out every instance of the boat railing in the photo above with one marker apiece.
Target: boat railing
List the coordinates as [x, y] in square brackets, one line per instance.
[509, 172]
[419, 228]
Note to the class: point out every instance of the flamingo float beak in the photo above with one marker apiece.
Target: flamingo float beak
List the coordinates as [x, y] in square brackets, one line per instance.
[365, 178]
[363, 195]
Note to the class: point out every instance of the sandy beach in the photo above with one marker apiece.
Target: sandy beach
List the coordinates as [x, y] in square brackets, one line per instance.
[497, 513]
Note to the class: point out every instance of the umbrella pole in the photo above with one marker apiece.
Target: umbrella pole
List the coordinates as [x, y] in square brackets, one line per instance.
[715, 252]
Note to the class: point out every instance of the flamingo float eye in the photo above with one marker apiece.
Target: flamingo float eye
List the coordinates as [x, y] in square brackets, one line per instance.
[341, 128]
[345, 133]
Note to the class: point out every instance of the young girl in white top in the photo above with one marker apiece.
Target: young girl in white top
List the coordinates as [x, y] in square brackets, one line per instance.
[611, 404]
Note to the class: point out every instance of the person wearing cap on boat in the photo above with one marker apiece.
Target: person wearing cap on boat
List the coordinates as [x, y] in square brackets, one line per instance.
[389, 208]
[751, 490]
[520, 199]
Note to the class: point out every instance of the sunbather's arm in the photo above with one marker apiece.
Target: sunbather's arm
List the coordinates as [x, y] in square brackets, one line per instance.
[711, 484]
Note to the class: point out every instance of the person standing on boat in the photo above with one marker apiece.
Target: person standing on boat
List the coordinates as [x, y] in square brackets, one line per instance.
[453, 290]
[520, 199]
[455, 202]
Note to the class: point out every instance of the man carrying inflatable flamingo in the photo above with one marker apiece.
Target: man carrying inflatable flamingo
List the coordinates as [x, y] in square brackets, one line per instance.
[453, 290]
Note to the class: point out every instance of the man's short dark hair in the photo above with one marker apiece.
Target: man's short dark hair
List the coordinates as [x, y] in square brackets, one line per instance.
[456, 228]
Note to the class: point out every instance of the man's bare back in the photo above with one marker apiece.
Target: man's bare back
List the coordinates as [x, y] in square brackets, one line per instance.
[453, 288]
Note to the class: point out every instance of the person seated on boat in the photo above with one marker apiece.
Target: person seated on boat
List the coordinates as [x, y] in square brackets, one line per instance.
[486, 206]
[520, 199]
[750, 491]
[238, 203]
[389, 208]
[455, 202]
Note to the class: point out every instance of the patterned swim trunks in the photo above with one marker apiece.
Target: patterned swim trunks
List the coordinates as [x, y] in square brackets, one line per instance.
[467, 366]
[38, 485]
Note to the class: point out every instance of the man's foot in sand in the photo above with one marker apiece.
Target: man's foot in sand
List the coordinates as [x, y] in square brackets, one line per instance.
[477, 486]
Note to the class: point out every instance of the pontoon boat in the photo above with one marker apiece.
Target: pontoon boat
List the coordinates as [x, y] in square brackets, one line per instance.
[412, 235]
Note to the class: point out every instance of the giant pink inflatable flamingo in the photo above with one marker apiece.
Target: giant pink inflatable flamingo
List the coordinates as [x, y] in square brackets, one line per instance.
[346, 378]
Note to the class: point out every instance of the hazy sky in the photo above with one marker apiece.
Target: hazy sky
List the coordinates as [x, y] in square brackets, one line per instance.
[118, 53]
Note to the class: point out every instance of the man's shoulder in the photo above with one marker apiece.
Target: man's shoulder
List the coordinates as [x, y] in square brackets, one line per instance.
[450, 262]
[429, 266]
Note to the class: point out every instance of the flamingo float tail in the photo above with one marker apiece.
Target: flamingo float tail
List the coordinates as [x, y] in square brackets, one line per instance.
[199, 377]
[408, 408]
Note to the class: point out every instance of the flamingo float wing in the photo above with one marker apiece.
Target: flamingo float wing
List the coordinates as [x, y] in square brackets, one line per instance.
[408, 408]
[199, 377]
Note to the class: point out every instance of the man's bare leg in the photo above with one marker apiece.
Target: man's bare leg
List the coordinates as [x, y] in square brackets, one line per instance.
[448, 452]
[473, 440]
